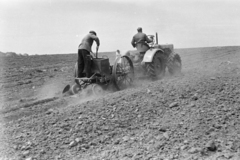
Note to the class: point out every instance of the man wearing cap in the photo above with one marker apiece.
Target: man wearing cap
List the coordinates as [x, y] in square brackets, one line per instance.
[140, 41]
[84, 50]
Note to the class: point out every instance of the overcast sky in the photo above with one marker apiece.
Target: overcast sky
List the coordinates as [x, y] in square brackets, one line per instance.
[57, 26]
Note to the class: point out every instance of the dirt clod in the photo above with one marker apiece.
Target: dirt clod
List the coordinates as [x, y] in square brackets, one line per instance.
[211, 146]
[174, 104]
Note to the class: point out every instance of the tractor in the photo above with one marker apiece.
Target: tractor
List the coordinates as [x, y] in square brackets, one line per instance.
[154, 59]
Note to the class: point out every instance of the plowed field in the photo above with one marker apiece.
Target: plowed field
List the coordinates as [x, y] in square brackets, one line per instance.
[192, 116]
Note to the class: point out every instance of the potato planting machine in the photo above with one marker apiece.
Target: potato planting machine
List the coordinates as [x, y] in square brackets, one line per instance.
[103, 75]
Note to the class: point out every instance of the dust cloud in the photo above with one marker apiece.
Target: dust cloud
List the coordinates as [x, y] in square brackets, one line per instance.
[54, 88]
[50, 89]
[85, 95]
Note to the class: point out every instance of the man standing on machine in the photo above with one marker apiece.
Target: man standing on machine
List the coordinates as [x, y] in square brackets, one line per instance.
[84, 50]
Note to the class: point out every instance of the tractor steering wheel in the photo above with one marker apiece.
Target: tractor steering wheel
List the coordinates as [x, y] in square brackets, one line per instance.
[152, 38]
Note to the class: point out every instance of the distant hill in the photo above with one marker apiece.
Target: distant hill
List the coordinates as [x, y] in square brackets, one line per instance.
[2, 54]
[11, 54]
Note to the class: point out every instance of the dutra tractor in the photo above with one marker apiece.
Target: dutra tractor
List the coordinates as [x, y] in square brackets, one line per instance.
[153, 59]
[118, 76]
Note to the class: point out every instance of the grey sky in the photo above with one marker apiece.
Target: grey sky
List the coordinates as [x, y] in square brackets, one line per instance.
[57, 26]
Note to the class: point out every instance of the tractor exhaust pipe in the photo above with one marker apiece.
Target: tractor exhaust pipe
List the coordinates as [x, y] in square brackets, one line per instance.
[156, 38]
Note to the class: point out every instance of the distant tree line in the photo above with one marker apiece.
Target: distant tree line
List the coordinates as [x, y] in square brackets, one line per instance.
[8, 54]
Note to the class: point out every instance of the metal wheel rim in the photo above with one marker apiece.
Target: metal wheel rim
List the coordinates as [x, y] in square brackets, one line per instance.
[124, 73]
[75, 88]
[97, 90]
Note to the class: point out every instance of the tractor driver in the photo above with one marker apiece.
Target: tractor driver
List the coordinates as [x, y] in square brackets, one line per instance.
[140, 41]
[84, 50]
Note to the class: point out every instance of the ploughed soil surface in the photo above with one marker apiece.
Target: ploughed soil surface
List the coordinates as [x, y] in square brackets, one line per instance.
[192, 116]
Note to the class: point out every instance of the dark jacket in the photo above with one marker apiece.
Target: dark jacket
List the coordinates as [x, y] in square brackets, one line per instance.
[140, 41]
[87, 42]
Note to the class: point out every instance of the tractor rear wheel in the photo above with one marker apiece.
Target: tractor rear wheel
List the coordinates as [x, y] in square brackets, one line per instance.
[156, 68]
[174, 64]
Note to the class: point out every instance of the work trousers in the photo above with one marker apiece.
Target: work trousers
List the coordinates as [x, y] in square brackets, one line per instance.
[84, 63]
